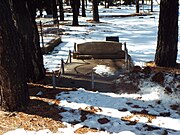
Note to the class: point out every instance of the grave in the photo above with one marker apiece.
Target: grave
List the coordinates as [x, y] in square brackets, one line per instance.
[99, 50]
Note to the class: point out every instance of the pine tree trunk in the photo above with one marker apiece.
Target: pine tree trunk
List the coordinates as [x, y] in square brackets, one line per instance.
[75, 8]
[137, 6]
[61, 9]
[67, 2]
[13, 88]
[166, 52]
[26, 25]
[95, 10]
[54, 11]
[107, 3]
[83, 9]
[151, 5]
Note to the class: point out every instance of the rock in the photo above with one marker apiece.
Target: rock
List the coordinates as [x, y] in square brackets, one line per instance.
[103, 120]
[158, 78]
[175, 107]
[123, 110]
[168, 90]
[147, 70]
[128, 87]
[158, 101]
[136, 69]
[178, 86]
[165, 114]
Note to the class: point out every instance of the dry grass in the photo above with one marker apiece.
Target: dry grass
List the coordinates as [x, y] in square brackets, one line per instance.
[175, 70]
[38, 115]
[84, 130]
[41, 113]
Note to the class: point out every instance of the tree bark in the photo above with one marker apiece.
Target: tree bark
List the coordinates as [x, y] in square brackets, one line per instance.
[75, 9]
[166, 51]
[26, 25]
[106, 3]
[13, 88]
[151, 5]
[67, 2]
[83, 9]
[54, 11]
[95, 10]
[61, 10]
[137, 6]
[48, 7]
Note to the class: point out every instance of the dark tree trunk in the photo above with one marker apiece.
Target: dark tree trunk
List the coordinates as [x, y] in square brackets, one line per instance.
[61, 10]
[39, 5]
[75, 9]
[37, 57]
[54, 11]
[106, 3]
[95, 10]
[26, 25]
[86, 3]
[151, 5]
[13, 88]
[166, 52]
[67, 2]
[137, 6]
[48, 7]
[83, 9]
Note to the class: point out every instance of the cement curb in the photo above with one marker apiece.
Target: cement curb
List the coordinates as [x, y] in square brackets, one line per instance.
[51, 45]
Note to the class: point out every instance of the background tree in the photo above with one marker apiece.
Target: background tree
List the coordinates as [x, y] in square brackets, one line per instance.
[95, 10]
[54, 11]
[14, 94]
[166, 51]
[137, 6]
[128, 2]
[107, 3]
[48, 7]
[75, 9]
[67, 2]
[83, 9]
[151, 5]
[61, 10]
[39, 5]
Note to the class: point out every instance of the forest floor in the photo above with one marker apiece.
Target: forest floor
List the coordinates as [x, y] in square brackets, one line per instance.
[43, 111]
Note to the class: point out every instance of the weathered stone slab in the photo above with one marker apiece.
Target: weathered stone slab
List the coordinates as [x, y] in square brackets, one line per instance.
[99, 48]
[120, 55]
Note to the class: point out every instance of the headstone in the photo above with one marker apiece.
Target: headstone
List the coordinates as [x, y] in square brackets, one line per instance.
[112, 38]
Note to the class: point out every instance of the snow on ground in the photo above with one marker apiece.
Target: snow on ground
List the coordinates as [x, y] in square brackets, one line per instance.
[139, 32]
[147, 112]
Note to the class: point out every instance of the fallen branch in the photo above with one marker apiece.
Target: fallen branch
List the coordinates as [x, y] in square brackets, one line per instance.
[31, 85]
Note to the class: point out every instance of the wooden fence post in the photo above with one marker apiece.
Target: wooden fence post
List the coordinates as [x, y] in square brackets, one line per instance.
[92, 80]
[127, 62]
[70, 56]
[54, 80]
[74, 47]
[62, 66]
